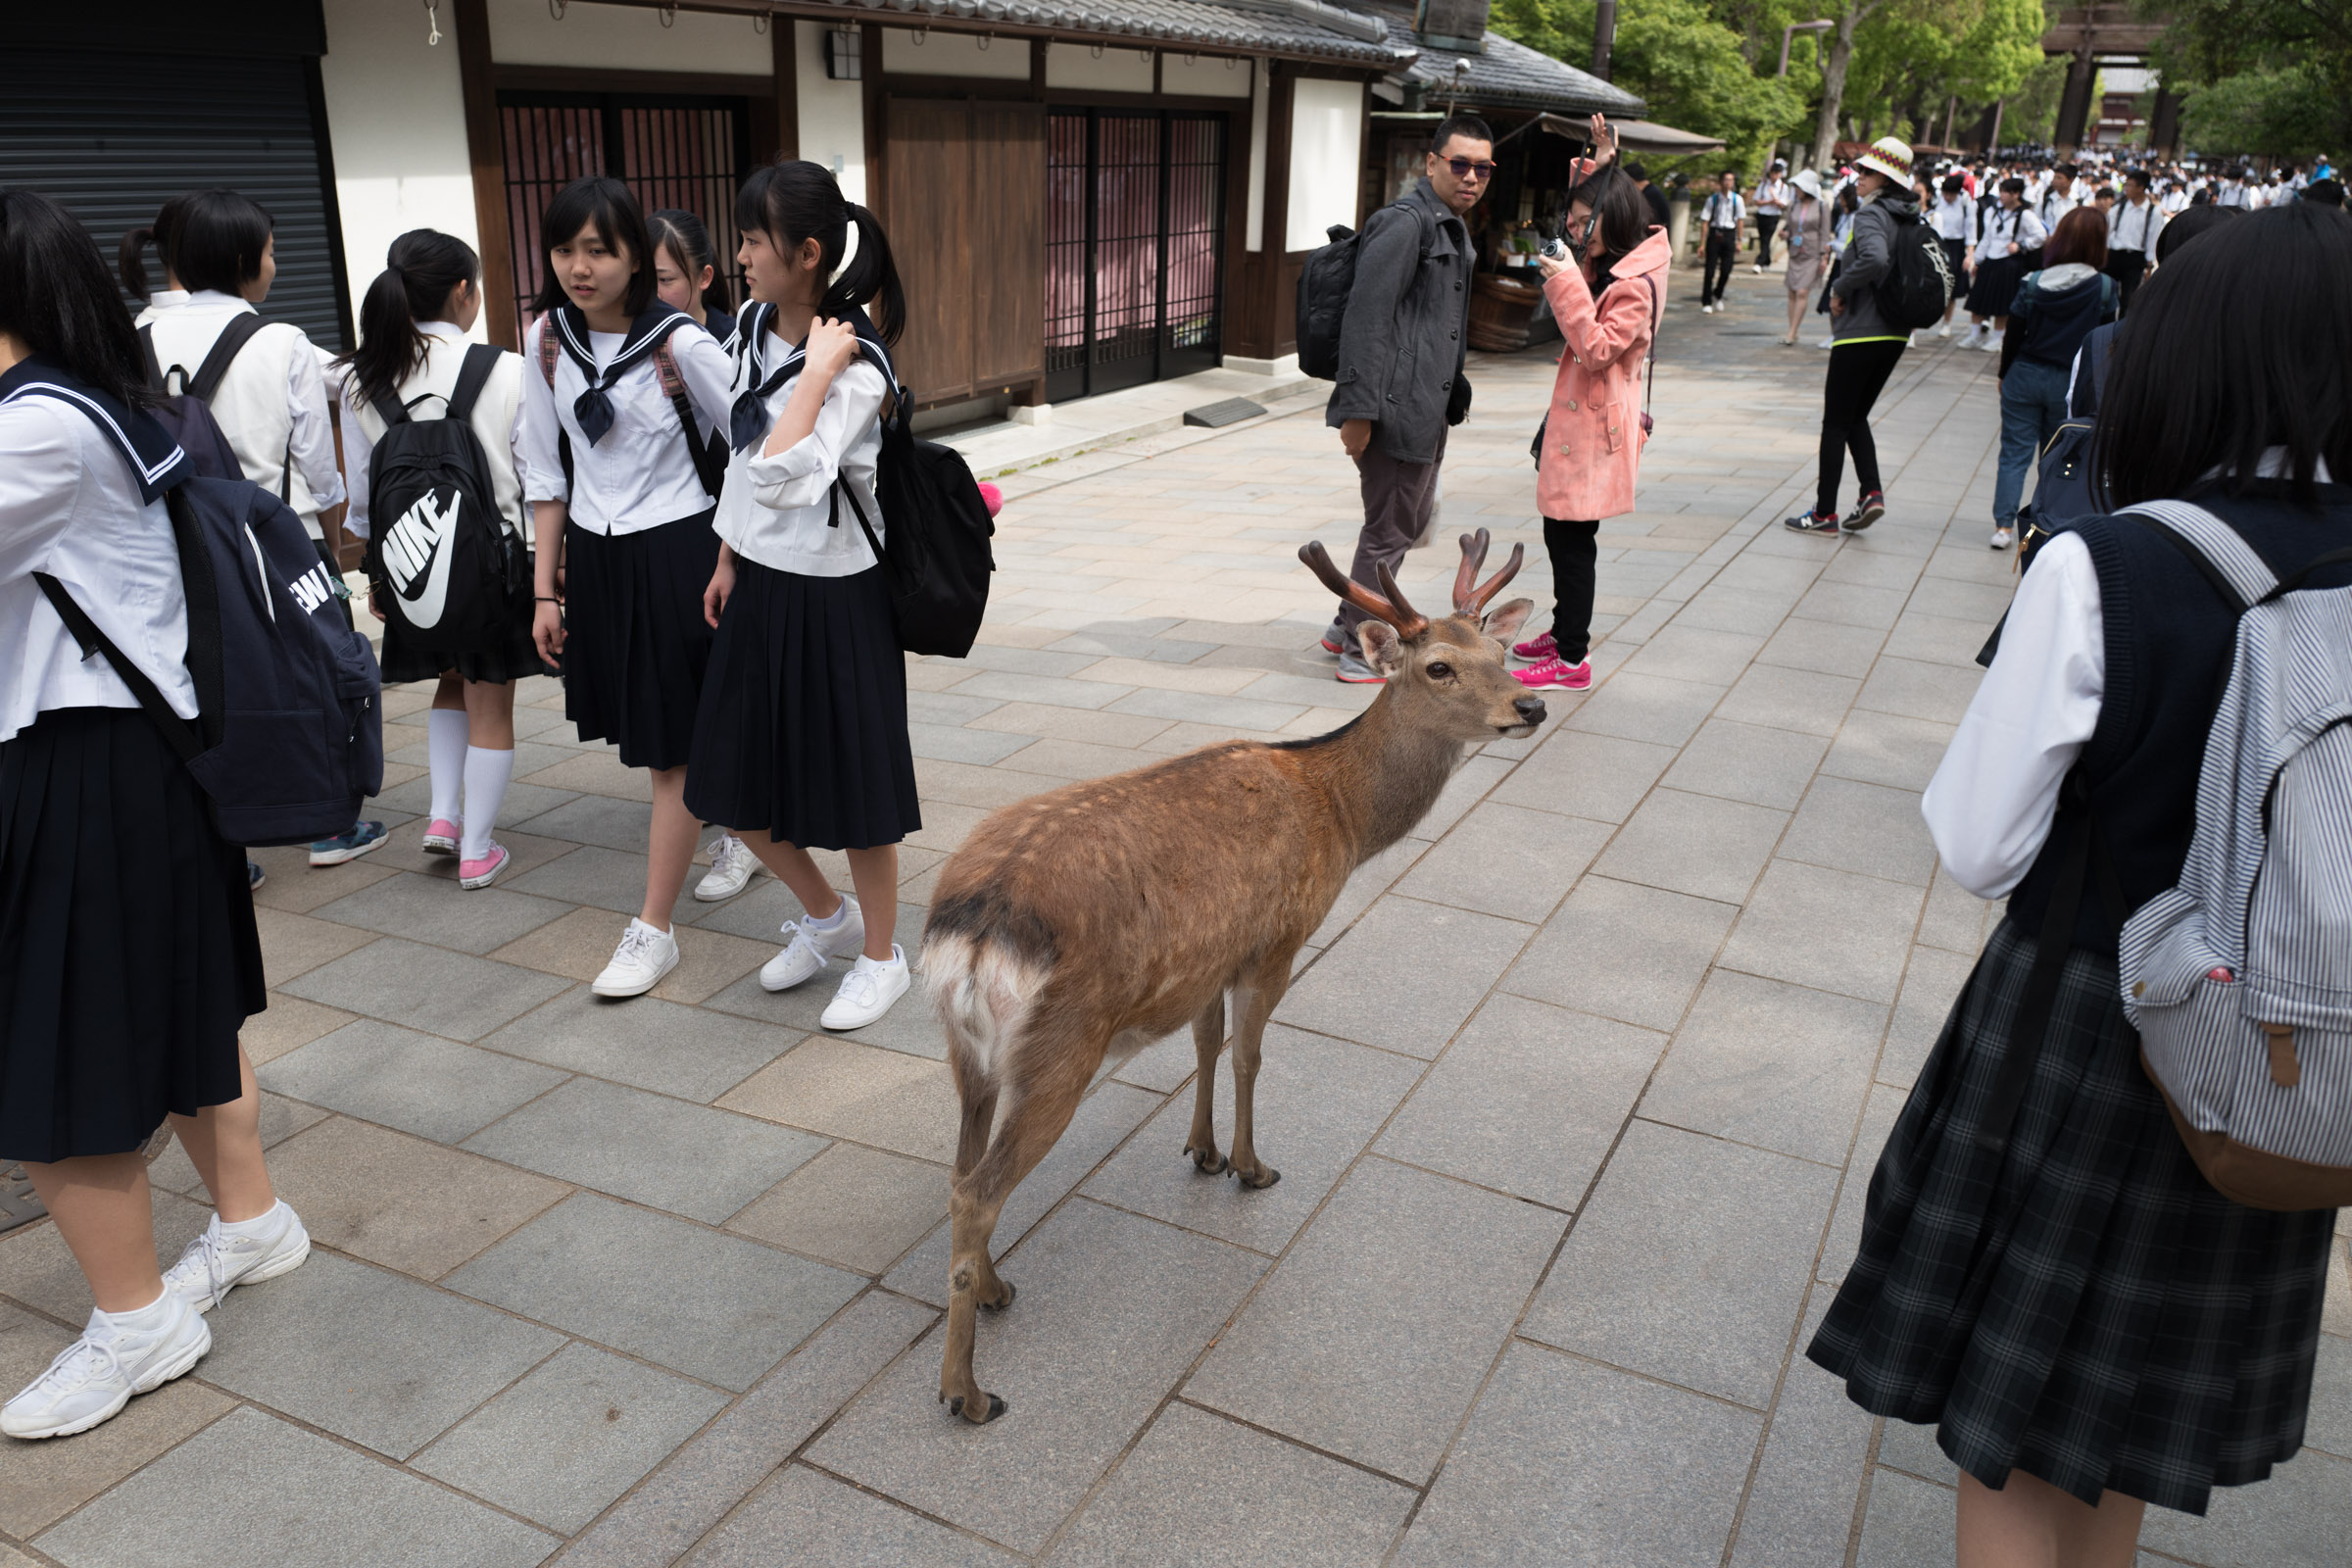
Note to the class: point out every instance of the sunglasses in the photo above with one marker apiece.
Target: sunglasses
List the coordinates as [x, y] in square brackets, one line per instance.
[1464, 168]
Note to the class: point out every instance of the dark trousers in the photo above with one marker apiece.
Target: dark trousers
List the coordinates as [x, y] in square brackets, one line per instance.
[1722, 255]
[2127, 267]
[1573, 556]
[1766, 225]
[1858, 374]
[1398, 496]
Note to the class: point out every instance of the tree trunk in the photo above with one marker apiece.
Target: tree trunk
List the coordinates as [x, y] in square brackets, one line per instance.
[1832, 86]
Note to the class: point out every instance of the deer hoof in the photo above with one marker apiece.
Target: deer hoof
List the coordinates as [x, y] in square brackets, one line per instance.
[1208, 1161]
[998, 1307]
[996, 1409]
[1267, 1176]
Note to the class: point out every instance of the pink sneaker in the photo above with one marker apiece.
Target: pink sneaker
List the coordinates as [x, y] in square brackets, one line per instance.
[484, 871]
[1536, 650]
[1555, 674]
[443, 836]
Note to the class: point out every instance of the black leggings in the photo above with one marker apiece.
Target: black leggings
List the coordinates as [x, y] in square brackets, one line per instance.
[1572, 555]
[1858, 374]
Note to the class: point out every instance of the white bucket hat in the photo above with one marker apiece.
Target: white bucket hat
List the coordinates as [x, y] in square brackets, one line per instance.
[1891, 158]
[1809, 183]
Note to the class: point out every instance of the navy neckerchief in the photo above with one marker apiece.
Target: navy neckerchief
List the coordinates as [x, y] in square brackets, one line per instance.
[748, 421]
[593, 407]
[156, 459]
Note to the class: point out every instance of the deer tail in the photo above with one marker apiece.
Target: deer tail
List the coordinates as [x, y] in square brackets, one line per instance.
[983, 991]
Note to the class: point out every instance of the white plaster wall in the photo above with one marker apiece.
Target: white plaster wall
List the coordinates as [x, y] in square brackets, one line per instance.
[1327, 142]
[1076, 66]
[1206, 75]
[1253, 225]
[954, 54]
[396, 125]
[526, 32]
[832, 113]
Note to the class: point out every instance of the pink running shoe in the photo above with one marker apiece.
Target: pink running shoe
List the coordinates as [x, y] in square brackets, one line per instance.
[443, 836]
[1536, 650]
[1555, 674]
[484, 871]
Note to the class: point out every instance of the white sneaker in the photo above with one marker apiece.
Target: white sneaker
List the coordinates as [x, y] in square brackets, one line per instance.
[2002, 538]
[807, 949]
[214, 1264]
[867, 991]
[638, 965]
[1945, 330]
[1992, 342]
[96, 1375]
[1829, 340]
[732, 867]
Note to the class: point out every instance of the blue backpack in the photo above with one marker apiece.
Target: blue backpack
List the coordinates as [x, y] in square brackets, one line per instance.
[288, 738]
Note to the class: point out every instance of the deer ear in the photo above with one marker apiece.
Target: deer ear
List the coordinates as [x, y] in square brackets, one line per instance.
[1503, 621]
[1381, 650]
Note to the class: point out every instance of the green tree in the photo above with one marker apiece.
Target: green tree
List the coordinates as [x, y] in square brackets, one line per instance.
[1908, 68]
[2268, 76]
[2286, 113]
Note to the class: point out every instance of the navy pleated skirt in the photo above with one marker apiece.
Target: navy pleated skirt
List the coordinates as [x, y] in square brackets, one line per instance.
[2080, 1305]
[802, 729]
[1995, 287]
[128, 954]
[635, 644]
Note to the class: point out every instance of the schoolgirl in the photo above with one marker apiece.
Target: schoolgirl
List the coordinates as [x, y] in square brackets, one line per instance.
[622, 520]
[128, 954]
[2092, 1326]
[801, 739]
[412, 349]
[2006, 233]
[220, 259]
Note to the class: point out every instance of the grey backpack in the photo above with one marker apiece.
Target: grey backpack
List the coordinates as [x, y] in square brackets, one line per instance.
[2240, 978]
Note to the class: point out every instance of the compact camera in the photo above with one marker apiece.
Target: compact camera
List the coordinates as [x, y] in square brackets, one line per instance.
[1556, 249]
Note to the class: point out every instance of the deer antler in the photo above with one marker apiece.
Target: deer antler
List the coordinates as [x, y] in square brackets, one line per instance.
[1408, 621]
[1470, 596]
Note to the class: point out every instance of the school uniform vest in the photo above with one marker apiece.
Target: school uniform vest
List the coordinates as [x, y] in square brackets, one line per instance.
[2169, 643]
[251, 404]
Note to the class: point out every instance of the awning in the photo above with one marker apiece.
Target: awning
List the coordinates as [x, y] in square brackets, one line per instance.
[1633, 136]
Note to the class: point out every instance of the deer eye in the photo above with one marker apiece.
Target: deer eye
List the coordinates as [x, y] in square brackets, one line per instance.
[1438, 669]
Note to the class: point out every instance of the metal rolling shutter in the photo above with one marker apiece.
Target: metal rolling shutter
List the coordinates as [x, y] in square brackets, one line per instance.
[109, 136]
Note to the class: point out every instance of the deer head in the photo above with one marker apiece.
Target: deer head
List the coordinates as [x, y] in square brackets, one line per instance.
[1445, 675]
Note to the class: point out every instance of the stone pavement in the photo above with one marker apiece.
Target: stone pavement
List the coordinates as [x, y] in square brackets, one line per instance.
[1575, 1099]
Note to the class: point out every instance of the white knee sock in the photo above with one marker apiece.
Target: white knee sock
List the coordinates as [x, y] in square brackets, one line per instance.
[445, 730]
[486, 775]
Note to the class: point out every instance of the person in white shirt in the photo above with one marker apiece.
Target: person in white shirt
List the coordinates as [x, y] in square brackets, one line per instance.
[2058, 198]
[2132, 231]
[1721, 215]
[2007, 234]
[612, 467]
[1770, 201]
[2234, 190]
[1953, 217]
[801, 740]
[131, 958]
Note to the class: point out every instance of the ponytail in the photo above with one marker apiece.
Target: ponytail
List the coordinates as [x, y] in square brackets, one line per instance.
[688, 242]
[164, 235]
[420, 270]
[132, 261]
[870, 280]
[797, 201]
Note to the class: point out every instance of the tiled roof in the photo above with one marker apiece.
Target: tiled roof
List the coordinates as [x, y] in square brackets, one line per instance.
[1288, 27]
[1508, 74]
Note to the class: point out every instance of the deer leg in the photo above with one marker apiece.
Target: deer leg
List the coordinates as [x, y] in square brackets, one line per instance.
[1208, 1038]
[1253, 1003]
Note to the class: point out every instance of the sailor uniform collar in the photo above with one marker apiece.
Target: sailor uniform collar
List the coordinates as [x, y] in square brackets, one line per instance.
[154, 458]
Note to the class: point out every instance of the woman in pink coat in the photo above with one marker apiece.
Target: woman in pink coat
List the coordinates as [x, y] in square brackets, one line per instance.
[1607, 302]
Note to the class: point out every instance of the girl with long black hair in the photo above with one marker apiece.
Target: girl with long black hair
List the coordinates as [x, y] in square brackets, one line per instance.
[129, 959]
[412, 326]
[686, 271]
[623, 522]
[802, 738]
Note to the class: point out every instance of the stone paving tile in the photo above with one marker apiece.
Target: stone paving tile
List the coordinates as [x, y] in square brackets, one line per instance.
[296, 944]
[1887, 749]
[1782, 698]
[578, 946]
[1844, 1237]
[1771, 1064]
[1563, 1461]
[602, 879]
[1647, 707]
[520, 804]
[578, 1431]
[1690, 1263]
[1623, 950]
[1909, 1521]
[1580, 773]
[1785, 932]
[1800, 1505]
[298, 888]
[596, 820]
[1371, 1339]
[402, 1201]
[1913, 1448]
[1692, 653]
[1694, 844]
[469, 922]
[417, 1083]
[591, 772]
[361, 1382]
[1112, 1307]
[1868, 828]
[439, 992]
[1932, 983]
[281, 1118]
[1822, 648]
[858, 1208]
[288, 1024]
[1358, 991]
[1955, 920]
[1748, 762]
[37, 1271]
[406, 852]
[1201, 1492]
[1506, 860]
[804, 1519]
[701, 1164]
[702, 1054]
[1528, 1100]
[1365, 883]
[303, 1500]
[844, 1089]
[1319, 1102]
[2299, 1519]
[1936, 692]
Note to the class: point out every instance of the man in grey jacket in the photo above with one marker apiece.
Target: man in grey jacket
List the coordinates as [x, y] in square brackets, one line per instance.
[1401, 345]
[1865, 344]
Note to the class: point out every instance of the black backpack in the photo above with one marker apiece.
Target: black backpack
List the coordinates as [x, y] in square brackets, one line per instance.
[938, 562]
[1918, 286]
[1324, 284]
[187, 412]
[448, 564]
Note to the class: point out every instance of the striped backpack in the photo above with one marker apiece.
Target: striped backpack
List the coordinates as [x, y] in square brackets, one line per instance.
[2239, 977]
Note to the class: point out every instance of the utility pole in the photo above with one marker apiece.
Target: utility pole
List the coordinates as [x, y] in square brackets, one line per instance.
[1604, 36]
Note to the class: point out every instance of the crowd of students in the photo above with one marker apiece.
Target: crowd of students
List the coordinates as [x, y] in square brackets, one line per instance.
[674, 476]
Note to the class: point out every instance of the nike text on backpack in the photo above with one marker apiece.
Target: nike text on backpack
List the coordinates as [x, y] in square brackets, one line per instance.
[185, 411]
[1918, 284]
[288, 738]
[448, 564]
[2239, 977]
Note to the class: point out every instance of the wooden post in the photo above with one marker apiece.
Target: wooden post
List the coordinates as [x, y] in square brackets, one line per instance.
[485, 152]
[784, 50]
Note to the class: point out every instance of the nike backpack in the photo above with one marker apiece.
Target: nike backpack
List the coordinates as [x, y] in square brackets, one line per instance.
[2239, 977]
[1918, 286]
[448, 564]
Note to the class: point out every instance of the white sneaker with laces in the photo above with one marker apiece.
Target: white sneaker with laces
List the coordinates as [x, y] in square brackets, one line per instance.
[867, 991]
[96, 1375]
[732, 867]
[216, 1263]
[638, 965]
[2002, 538]
[807, 949]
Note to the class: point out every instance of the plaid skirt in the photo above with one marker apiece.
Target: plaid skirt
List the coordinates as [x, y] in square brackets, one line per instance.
[2083, 1305]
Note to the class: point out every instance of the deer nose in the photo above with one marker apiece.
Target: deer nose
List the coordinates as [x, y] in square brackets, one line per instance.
[1529, 708]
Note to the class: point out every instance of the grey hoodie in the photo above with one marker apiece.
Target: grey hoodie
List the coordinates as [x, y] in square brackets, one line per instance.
[1868, 256]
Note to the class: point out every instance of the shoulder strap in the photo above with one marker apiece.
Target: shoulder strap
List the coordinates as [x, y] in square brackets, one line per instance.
[549, 348]
[864, 527]
[473, 375]
[155, 372]
[234, 336]
[1656, 312]
[2225, 559]
[177, 731]
[709, 466]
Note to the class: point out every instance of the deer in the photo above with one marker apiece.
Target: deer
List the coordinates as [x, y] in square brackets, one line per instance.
[1090, 921]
